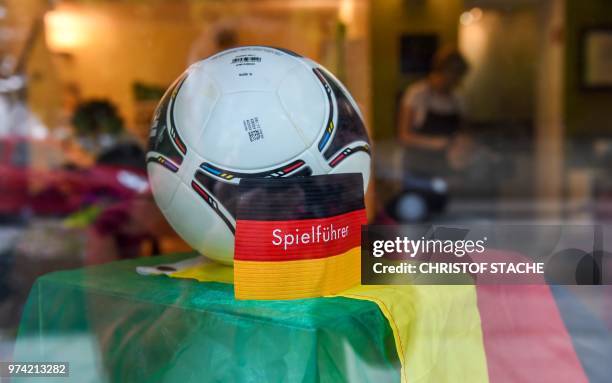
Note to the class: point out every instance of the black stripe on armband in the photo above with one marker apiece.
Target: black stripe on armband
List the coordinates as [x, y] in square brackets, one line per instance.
[297, 198]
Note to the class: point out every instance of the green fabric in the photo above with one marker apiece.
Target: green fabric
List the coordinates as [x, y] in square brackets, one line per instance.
[112, 324]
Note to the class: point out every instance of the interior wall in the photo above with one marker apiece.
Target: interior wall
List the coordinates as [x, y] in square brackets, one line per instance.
[549, 121]
[390, 19]
[500, 83]
[118, 50]
[587, 112]
[120, 43]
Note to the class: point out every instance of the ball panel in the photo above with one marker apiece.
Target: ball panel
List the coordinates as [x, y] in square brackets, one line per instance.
[163, 183]
[199, 225]
[358, 162]
[161, 139]
[315, 162]
[249, 68]
[304, 101]
[334, 80]
[349, 126]
[248, 131]
[194, 103]
[225, 193]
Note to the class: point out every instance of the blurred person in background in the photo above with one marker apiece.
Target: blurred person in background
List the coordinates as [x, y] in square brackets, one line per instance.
[100, 131]
[75, 156]
[438, 142]
[441, 157]
[119, 226]
[430, 118]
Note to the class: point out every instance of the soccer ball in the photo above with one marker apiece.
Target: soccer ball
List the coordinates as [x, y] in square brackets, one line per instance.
[246, 112]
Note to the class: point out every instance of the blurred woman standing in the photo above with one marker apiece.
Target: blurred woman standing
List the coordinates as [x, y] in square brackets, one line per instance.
[430, 116]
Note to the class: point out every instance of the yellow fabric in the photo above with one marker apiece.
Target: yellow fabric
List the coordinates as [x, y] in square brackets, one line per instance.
[437, 329]
[207, 271]
[304, 278]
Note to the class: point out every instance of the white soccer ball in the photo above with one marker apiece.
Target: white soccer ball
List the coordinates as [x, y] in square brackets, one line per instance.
[247, 112]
